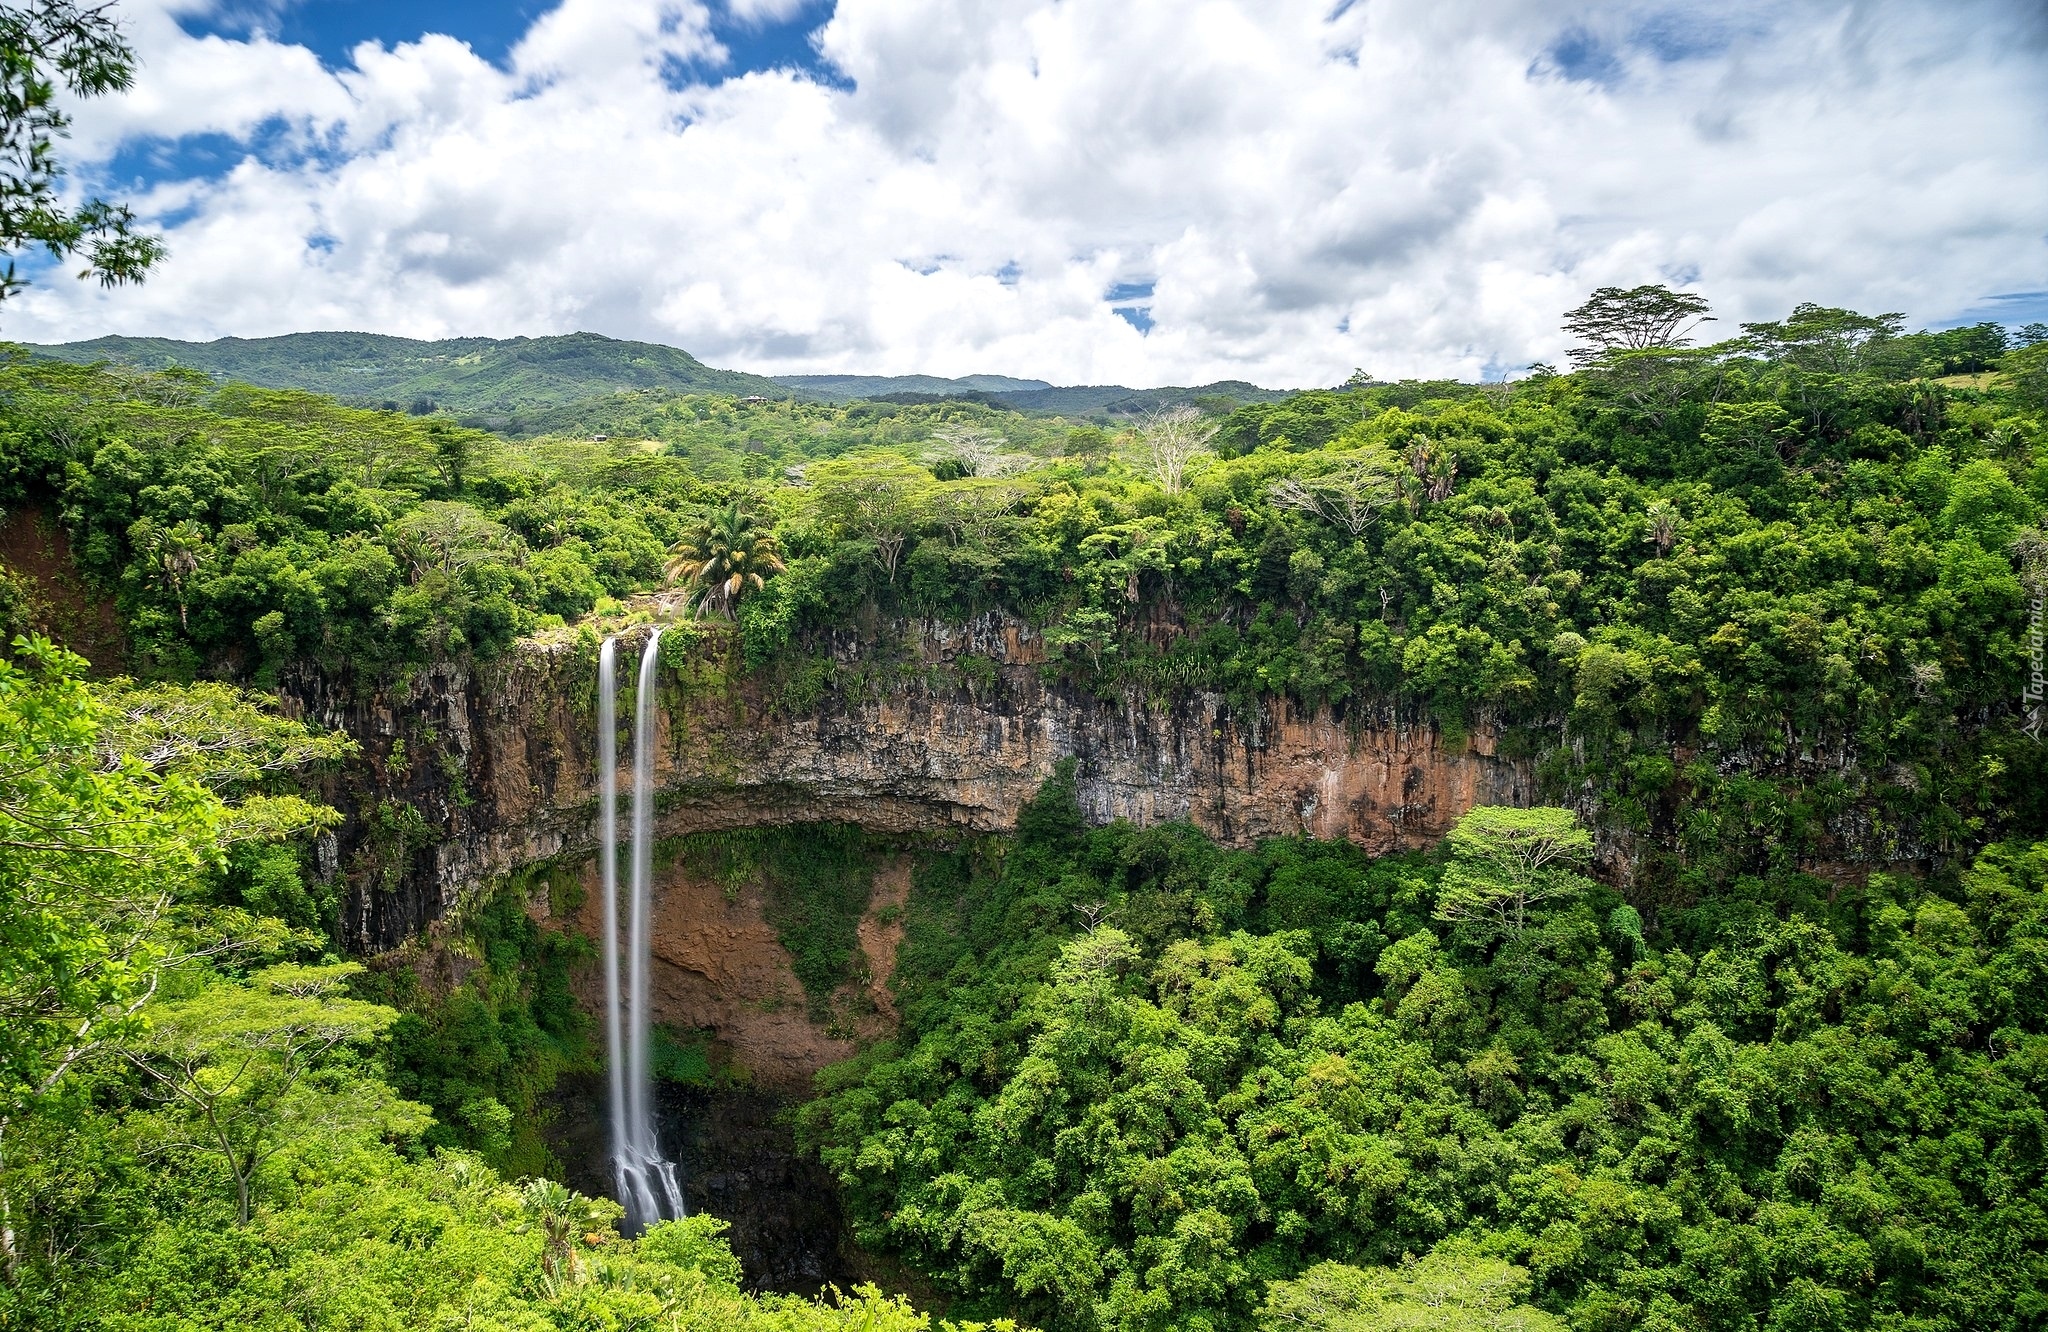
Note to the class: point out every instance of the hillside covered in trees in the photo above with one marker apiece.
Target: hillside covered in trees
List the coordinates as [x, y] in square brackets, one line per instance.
[574, 382]
[489, 377]
[1747, 1027]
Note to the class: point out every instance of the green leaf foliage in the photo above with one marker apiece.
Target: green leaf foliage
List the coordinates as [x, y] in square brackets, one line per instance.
[1449, 1290]
[1751, 1038]
[200, 1127]
[1145, 1083]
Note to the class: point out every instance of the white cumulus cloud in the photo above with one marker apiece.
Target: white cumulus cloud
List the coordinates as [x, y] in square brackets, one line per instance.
[1286, 188]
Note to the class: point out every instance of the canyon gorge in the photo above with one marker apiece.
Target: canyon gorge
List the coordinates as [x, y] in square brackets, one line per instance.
[479, 778]
[470, 772]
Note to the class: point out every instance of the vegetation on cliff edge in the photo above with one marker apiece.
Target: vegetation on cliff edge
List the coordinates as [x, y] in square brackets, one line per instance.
[1757, 612]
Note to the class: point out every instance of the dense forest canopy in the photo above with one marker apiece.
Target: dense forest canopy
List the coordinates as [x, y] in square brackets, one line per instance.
[1767, 592]
[1747, 1027]
[1145, 1083]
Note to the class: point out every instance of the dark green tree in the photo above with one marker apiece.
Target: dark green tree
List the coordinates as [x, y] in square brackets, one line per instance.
[2028, 370]
[722, 559]
[1646, 318]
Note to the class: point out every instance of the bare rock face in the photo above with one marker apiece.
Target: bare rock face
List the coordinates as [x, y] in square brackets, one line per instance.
[469, 773]
[718, 967]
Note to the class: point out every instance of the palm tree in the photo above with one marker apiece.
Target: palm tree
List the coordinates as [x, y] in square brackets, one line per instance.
[1665, 525]
[721, 560]
[555, 1211]
[174, 555]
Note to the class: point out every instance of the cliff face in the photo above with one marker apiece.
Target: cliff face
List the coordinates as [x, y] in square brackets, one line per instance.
[472, 772]
[718, 967]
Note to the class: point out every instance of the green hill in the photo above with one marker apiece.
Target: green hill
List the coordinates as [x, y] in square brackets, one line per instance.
[1115, 400]
[1025, 395]
[505, 383]
[850, 388]
[471, 377]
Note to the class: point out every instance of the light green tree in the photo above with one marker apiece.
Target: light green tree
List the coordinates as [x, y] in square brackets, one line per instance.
[457, 450]
[242, 1065]
[1822, 339]
[1664, 525]
[1084, 629]
[878, 499]
[114, 801]
[972, 509]
[81, 47]
[1636, 319]
[173, 555]
[966, 451]
[2027, 370]
[1505, 861]
[1169, 441]
[92, 848]
[446, 536]
[221, 738]
[1450, 1290]
[563, 1216]
[1350, 495]
[1750, 427]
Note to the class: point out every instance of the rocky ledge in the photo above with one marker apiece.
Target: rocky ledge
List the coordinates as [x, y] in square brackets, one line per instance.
[470, 772]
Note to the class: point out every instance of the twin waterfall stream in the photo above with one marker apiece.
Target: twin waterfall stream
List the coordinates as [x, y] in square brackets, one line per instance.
[648, 1186]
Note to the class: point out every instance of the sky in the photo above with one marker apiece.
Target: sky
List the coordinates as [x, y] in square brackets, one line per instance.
[1085, 191]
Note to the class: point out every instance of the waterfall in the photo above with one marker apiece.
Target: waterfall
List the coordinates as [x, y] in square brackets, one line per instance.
[608, 881]
[647, 1185]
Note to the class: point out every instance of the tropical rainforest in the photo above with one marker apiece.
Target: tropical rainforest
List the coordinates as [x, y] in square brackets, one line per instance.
[1746, 1028]
[1743, 1027]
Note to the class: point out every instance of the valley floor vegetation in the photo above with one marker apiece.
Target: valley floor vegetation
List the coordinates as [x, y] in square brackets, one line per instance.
[198, 1126]
[1146, 1083]
[1744, 1029]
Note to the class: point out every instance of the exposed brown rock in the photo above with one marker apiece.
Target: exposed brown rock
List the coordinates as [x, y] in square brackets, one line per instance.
[718, 967]
[881, 931]
[934, 750]
[37, 549]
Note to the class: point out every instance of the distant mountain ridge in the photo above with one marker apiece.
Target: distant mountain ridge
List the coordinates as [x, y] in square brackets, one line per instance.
[847, 388]
[1087, 399]
[1025, 395]
[468, 376]
[494, 381]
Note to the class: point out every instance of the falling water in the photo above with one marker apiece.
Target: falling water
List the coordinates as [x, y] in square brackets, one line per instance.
[608, 878]
[647, 1184]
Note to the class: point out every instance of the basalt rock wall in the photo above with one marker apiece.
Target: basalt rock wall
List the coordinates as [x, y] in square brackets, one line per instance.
[469, 772]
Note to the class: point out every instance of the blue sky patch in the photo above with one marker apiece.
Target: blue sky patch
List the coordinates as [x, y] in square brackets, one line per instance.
[784, 45]
[1582, 57]
[1675, 37]
[331, 29]
[1136, 315]
[2011, 308]
[141, 163]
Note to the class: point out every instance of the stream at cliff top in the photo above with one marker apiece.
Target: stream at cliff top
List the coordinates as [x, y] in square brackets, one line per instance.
[644, 1182]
